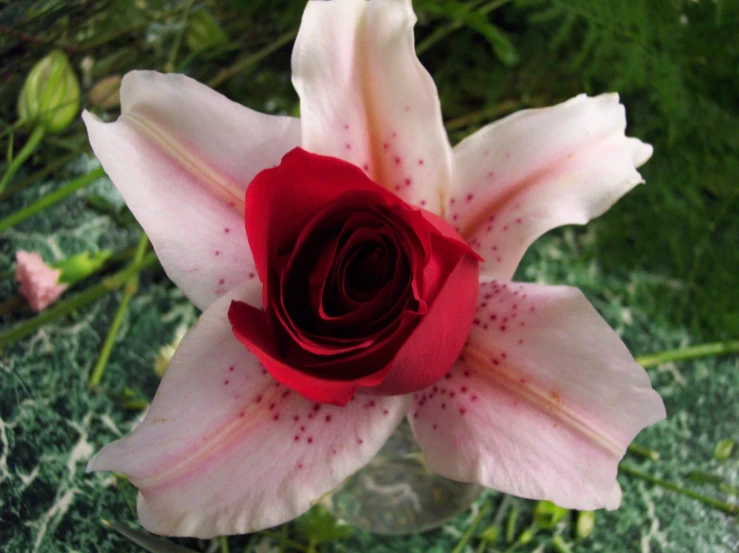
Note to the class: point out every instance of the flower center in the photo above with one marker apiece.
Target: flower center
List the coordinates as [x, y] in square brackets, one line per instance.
[366, 272]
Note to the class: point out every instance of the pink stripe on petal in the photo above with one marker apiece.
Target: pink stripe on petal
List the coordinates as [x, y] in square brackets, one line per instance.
[539, 169]
[225, 449]
[182, 156]
[542, 403]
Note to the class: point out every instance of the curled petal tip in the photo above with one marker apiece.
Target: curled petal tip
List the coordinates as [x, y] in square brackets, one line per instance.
[642, 153]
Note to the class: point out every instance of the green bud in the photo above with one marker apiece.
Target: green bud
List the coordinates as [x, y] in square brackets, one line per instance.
[81, 266]
[203, 32]
[548, 515]
[585, 524]
[50, 97]
[490, 533]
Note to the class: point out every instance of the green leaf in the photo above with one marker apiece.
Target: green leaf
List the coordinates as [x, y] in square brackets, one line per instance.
[318, 525]
[547, 515]
[724, 449]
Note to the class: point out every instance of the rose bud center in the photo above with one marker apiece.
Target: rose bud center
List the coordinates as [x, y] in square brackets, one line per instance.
[361, 290]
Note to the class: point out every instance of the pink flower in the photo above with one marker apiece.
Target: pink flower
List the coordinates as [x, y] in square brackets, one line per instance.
[39, 282]
[543, 398]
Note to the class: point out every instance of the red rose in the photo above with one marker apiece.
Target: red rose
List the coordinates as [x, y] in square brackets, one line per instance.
[360, 289]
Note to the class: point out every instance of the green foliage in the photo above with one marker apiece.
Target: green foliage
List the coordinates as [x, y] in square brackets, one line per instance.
[318, 526]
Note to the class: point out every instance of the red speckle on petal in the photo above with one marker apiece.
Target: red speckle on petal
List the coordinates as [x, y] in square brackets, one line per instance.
[226, 230]
[469, 197]
[462, 410]
[218, 252]
[328, 418]
[397, 160]
[225, 382]
[258, 399]
[276, 417]
[310, 440]
[360, 441]
[420, 162]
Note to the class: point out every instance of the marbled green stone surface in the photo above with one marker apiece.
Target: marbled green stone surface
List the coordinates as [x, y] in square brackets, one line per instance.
[50, 423]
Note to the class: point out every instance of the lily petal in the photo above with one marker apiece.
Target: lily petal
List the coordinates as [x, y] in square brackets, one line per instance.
[225, 449]
[542, 403]
[182, 156]
[538, 169]
[367, 99]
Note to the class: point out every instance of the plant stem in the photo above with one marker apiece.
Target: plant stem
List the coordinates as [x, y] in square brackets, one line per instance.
[642, 451]
[28, 148]
[50, 199]
[224, 544]
[560, 546]
[50, 168]
[251, 59]
[170, 65]
[441, 32]
[80, 300]
[128, 292]
[729, 508]
[472, 527]
[692, 352]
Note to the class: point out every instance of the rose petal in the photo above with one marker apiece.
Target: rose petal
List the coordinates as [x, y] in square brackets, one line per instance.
[367, 99]
[224, 449]
[437, 340]
[542, 403]
[539, 169]
[182, 155]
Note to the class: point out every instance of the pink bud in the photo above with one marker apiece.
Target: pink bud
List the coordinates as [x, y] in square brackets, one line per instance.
[39, 282]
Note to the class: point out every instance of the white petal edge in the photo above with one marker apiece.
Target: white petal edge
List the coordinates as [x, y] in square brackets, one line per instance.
[224, 449]
[539, 169]
[366, 98]
[542, 403]
[182, 156]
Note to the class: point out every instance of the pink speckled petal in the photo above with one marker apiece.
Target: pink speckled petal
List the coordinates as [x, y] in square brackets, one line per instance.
[224, 449]
[367, 99]
[542, 403]
[182, 155]
[539, 169]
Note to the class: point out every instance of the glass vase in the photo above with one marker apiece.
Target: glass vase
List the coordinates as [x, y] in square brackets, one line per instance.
[397, 494]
